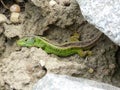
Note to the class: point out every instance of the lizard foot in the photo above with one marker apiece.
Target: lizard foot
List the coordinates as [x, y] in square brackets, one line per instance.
[89, 53]
[84, 53]
[74, 37]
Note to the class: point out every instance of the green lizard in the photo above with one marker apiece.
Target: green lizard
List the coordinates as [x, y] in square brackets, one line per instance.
[65, 49]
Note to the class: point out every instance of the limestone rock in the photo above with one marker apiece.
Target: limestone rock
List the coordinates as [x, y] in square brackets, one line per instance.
[105, 15]
[63, 82]
[3, 18]
[13, 30]
[21, 69]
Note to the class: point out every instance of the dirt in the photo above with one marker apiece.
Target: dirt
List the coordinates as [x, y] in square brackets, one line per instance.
[21, 68]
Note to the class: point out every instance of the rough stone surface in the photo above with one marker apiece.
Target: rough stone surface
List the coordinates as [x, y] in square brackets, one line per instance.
[105, 15]
[45, 17]
[21, 69]
[13, 30]
[3, 18]
[62, 82]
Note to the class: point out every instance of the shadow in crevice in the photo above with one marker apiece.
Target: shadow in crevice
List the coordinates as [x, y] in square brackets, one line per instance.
[116, 75]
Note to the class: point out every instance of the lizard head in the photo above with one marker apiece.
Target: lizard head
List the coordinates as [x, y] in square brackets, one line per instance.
[26, 41]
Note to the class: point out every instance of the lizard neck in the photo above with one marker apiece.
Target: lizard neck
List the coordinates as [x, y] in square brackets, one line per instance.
[39, 42]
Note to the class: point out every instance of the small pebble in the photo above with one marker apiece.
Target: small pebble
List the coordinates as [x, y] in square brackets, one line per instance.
[42, 63]
[15, 8]
[112, 66]
[14, 17]
[52, 3]
[3, 18]
[90, 70]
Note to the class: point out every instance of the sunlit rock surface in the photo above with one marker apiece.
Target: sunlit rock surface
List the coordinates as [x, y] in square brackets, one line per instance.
[105, 15]
[63, 82]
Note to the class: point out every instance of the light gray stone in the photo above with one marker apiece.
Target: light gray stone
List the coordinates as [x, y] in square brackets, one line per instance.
[105, 15]
[3, 18]
[22, 69]
[13, 30]
[63, 82]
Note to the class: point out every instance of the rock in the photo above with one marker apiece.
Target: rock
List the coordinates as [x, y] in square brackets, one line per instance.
[105, 15]
[21, 69]
[62, 67]
[63, 82]
[3, 18]
[13, 30]
[15, 17]
[44, 15]
[16, 9]
[52, 2]
[39, 3]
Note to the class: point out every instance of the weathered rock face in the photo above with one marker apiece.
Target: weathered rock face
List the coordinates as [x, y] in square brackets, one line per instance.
[21, 69]
[44, 16]
[63, 82]
[105, 15]
[13, 30]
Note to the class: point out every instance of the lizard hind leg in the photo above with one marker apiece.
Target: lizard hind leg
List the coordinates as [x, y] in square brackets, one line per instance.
[83, 54]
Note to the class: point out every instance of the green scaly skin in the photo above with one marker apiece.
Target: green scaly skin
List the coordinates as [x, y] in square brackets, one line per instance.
[65, 49]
